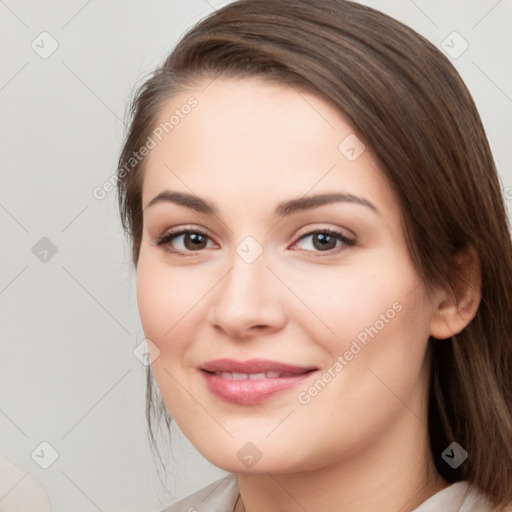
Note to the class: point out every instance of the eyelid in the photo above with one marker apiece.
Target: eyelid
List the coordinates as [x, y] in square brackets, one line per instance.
[347, 234]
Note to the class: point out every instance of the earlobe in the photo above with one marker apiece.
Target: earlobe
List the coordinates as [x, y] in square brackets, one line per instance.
[455, 308]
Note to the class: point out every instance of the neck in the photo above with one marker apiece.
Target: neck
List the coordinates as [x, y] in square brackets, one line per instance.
[395, 472]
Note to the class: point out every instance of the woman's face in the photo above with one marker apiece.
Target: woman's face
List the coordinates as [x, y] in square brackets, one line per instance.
[290, 322]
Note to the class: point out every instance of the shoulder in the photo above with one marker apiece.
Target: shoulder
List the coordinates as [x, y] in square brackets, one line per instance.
[459, 497]
[20, 490]
[477, 501]
[219, 496]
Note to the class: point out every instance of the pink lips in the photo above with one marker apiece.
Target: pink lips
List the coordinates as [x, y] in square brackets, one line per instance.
[253, 381]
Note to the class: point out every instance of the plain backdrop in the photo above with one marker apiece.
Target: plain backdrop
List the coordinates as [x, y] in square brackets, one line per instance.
[69, 377]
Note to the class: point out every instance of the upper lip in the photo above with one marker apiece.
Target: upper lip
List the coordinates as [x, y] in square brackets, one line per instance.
[253, 366]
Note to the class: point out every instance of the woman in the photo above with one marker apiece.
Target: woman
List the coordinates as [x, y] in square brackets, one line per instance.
[323, 264]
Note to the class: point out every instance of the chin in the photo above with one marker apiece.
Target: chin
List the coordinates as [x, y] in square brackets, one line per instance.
[258, 458]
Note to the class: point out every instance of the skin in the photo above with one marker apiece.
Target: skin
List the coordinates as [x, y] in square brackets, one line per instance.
[361, 443]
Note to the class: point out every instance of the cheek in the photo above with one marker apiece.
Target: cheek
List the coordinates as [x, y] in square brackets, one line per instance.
[152, 304]
[173, 306]
[363, 300]
[163, 301]
[374, 330]
[385, 332]
[375, 372]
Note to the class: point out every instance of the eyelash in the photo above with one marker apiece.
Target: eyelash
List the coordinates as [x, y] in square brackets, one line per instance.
[168, 237]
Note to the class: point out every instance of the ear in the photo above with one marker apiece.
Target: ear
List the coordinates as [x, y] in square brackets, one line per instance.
[455, 308]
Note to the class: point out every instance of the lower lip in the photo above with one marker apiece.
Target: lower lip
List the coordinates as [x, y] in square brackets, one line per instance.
[248, 391]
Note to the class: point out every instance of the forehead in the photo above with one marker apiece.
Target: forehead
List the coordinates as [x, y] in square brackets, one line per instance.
[268, 139]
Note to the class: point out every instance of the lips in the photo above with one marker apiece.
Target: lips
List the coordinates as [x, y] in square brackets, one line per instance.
[253, 366]
[253, 376]
[251, 382]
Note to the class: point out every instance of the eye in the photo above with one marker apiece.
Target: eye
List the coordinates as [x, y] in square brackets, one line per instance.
[325, 240]
[191, 240]
[183, 241]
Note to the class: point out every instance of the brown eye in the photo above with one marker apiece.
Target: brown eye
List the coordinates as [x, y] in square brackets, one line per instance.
[184, 241]
[193, 241]
[325, 241]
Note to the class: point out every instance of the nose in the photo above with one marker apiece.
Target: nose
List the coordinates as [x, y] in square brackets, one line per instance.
[248, 301]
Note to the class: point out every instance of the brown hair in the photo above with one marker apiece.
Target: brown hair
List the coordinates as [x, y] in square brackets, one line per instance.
[409, 104]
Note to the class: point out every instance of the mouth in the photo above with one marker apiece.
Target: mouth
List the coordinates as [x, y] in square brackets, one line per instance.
[252, 382]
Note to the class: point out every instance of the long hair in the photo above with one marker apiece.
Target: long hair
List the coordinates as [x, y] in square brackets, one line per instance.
[408, 103]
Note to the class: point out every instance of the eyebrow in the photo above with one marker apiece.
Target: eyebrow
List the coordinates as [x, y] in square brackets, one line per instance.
[283, 209]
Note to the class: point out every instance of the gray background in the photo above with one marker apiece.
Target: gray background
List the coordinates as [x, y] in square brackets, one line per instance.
[69, 320]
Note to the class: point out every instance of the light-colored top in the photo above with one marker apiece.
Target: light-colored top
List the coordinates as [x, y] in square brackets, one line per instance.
[20, 491]
[221, 496]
